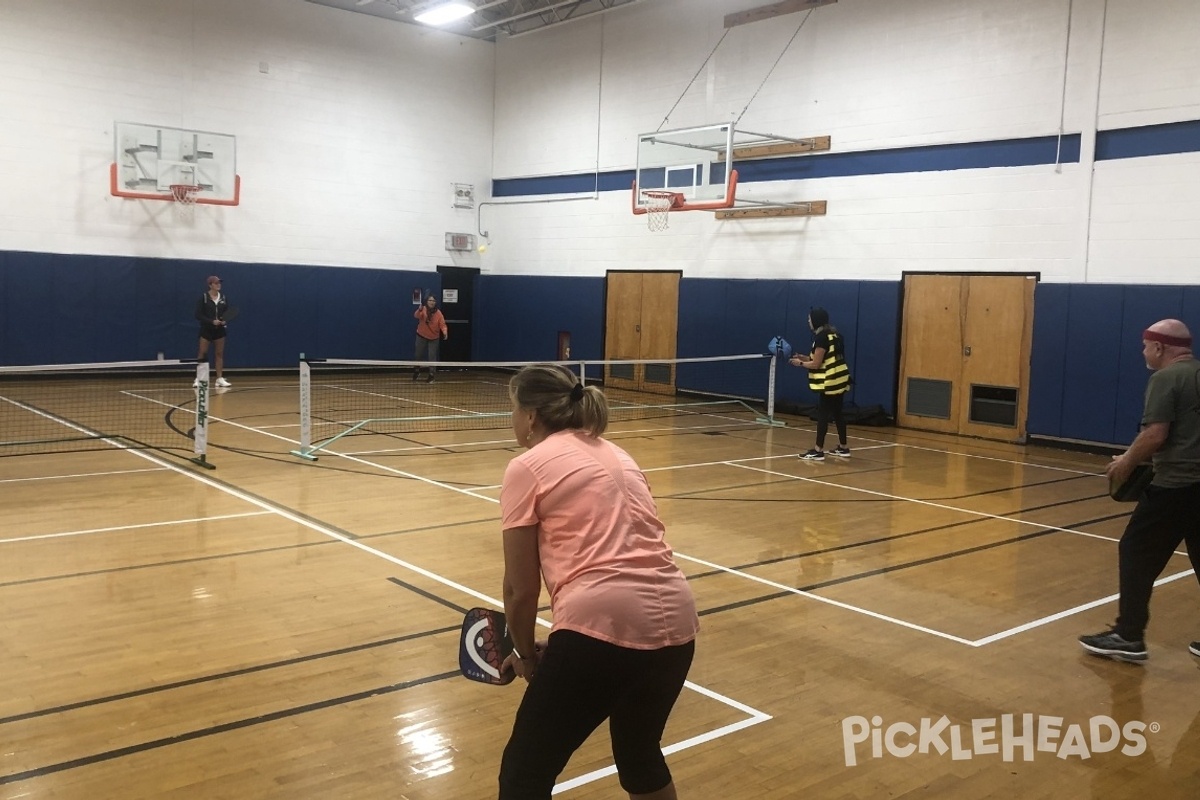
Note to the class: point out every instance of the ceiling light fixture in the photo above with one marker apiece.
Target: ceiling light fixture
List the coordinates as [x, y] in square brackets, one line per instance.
[445, 13]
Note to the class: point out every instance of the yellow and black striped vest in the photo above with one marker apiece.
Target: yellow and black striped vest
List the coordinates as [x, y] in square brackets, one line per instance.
[834, 375]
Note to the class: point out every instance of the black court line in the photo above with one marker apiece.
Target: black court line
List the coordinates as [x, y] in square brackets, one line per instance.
[236, 554]
[257, 668]
[200, 733]
[233, 673]
[892, 568]
[429, 595]
[442, 600]
[908, 534]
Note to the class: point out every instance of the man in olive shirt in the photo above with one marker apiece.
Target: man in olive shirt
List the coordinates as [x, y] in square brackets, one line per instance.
[1168, 512]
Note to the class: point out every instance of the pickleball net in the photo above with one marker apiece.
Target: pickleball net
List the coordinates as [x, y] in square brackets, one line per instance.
[346, 402]
[144, 405]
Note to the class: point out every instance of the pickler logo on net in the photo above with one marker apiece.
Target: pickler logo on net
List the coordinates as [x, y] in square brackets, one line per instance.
[1010, 737]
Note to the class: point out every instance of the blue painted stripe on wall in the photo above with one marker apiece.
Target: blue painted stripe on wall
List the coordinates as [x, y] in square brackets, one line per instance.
[563, 184]
[931, 158]
[1148, 140]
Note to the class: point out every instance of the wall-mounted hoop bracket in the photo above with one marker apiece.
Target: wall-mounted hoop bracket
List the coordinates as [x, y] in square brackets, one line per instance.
[695, 169]
[755, 209]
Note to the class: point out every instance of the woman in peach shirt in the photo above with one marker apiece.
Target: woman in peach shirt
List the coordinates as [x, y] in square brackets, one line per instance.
[577, 513]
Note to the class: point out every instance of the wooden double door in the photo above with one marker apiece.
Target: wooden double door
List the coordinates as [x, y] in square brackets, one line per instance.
[641, 322]
[965, 354]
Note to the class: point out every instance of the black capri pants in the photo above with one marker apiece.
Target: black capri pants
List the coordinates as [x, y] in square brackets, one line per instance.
[580, 682]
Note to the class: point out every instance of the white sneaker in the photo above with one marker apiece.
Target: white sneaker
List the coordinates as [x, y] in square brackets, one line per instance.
[196, 383]
[224, 384]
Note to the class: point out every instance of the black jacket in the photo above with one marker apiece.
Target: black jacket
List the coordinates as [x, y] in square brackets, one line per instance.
[207, 311]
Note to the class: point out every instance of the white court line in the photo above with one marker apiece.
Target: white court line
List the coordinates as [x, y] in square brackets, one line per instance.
[1037, 623]
[605, 772]
[511, 441]
[735, 463]
[1003, 634]
[828, 601]
[80, 475]
[880, 444]
[131, 527]
[408, 400]
[402, 473]
[755, 716]
[929, 503]
[884, 442]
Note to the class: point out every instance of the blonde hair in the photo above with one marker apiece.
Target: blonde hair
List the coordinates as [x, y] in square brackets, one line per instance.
[559, 400]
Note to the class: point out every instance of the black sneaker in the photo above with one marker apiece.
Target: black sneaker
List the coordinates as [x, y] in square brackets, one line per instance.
[812, 455]
[1111, 644]
[840, 451]
[1194, 648]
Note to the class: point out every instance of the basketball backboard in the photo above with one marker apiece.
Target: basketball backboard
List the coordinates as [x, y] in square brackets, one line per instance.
[149, 159]
[695, 169]
[691, 161]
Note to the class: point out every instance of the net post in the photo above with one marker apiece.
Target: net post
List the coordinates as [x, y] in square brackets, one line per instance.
[306, 449]
[769, 419]
[200, 437]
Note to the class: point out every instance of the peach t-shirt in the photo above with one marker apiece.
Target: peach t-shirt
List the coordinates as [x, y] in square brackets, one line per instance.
[608, 569]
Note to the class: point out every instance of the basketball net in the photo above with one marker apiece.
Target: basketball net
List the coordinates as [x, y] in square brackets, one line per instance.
[658, 209]
[185, 195]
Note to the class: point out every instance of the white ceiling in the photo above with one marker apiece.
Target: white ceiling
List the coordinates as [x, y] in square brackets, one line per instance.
[492, 18]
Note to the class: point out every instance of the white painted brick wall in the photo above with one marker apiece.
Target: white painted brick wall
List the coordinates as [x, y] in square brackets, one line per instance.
[874, 75]
[349, 145]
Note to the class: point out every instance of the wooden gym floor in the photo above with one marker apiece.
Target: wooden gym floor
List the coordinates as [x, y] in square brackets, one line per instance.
[283, 629]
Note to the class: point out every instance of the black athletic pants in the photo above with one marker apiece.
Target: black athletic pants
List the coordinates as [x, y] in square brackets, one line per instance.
[1163, 518]
[829, 406]
[580, 682]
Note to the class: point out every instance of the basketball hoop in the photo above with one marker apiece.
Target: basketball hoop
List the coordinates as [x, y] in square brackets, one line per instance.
[184, 195]
[658, 207]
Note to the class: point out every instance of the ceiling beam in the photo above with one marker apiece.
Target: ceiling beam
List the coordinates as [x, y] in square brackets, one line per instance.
[772, 11]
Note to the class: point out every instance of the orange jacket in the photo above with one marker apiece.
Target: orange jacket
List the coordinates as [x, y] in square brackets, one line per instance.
[431, 326]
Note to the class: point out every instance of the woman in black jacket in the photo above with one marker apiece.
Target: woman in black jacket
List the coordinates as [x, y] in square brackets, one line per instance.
[211, 309]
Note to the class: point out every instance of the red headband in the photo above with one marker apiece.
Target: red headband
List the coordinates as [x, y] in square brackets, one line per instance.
[1175, 341]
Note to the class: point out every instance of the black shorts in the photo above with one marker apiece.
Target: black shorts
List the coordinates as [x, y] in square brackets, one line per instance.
[580, 682]
[212, 332]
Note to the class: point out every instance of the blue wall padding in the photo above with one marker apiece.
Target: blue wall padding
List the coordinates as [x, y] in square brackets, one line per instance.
[1191, 312]
[1143, 306]
[1087, 376]
[517, 318]
[875, 349]
[61, 309]
[703, 312]
[728, 317]
[1048, 359]
[732, 316]
[1090, 369]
